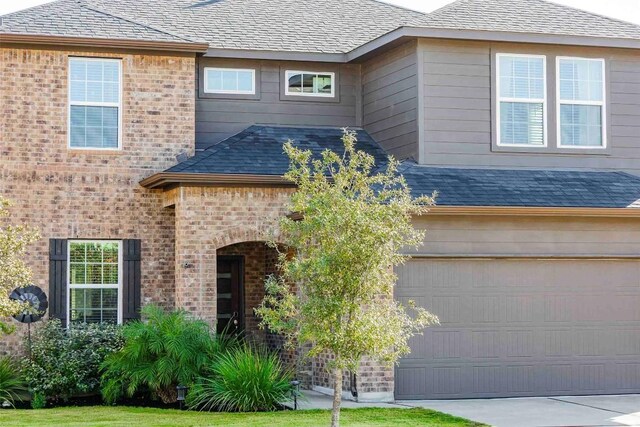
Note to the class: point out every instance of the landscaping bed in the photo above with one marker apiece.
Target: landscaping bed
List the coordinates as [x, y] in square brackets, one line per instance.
[127, 416]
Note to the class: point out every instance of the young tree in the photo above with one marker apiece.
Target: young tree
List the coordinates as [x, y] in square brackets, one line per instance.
[353, 221]
[13, 270]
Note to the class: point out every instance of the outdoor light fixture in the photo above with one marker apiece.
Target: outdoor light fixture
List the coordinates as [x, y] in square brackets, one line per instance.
[295, 384]
[182, 391]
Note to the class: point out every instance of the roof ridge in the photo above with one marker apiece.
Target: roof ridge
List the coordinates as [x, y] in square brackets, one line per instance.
[446, 6]
[599, 15]
[397, 6]
[85, 4]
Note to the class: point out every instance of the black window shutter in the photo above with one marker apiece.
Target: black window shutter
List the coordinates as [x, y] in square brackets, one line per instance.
[131, 280]
[58, 280]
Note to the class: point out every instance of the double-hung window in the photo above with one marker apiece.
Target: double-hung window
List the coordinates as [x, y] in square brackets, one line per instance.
[94, 103]
[94, 281]
[581, 102]
[521, 98]
[230, 81]
[309, 83]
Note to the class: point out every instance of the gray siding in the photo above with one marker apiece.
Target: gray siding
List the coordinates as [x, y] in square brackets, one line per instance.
[390, 100]
[458, 108]
[218, 118]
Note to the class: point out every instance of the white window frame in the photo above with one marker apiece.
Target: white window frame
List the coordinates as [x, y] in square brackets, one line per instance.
[500, 99]
[602, 104]
[94, 104]
[118, 286]
[207, 89]
[289, 73]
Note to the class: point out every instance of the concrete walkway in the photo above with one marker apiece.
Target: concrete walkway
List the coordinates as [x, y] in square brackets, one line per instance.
[586, 411]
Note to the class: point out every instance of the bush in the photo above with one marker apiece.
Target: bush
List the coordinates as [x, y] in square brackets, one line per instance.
[163, 351]
[12, 386]
[243, 379]
[66, 363]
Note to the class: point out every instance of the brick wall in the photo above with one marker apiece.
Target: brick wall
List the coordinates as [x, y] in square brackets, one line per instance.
[93, 194]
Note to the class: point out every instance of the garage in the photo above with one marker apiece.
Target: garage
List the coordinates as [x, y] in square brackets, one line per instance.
[522, 326]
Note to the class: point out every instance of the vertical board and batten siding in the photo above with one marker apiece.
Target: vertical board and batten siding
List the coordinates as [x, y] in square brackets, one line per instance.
[390, 100]
[458, 108]
[219, 118]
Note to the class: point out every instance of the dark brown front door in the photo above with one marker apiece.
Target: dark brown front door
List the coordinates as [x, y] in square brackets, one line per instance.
[230, 297]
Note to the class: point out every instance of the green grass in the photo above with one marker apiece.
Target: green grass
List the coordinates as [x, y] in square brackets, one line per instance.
[142, 417]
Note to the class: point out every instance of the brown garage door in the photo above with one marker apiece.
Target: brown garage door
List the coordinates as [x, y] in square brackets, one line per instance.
[522, 327]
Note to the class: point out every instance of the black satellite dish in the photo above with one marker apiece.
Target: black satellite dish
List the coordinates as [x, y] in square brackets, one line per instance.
[34, 296]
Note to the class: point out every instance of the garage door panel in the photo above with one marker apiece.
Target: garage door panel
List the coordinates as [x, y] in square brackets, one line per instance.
[523, 328]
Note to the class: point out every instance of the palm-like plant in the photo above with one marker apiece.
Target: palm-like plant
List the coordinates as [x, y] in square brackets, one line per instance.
[12, 386]
[164, 350]
[242, 379]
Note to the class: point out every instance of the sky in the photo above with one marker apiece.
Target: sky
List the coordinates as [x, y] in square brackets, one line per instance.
[628, 10]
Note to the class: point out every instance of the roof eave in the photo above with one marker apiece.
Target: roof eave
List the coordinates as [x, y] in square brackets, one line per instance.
[496, 36]
[189, 47]
[170, 179]
[627, 212]
[276, 55]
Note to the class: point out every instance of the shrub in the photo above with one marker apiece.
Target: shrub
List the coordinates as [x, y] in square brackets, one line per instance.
[161, 352]
[12, 386]
[66, 363]
[243, 379]
[38, 401]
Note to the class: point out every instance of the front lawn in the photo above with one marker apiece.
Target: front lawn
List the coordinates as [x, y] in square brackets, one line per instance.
[142, 417]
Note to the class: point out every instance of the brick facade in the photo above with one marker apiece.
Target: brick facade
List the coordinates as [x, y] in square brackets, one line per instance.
[94, 194]
[78, 194]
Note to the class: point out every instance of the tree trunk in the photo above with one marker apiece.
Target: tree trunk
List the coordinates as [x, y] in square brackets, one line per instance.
[337, 396]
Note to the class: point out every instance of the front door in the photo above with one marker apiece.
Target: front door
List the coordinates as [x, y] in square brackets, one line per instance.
[230, 313]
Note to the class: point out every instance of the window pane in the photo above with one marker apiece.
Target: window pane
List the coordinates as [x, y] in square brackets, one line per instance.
[521, 123]
[94, 305]
[78, 70]
[229, 81]
[111, 92]
[245, 81]
[295, 83]
[581, 125]
[322, 84]
[214, 80]
[521, 77]
[94, 92]
[307, 83]
[94, 127]
[78, 90]
[581, 80]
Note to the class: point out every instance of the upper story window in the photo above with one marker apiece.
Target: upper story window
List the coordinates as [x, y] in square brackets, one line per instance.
[94, 281]
[94, 103]
[308, 83]
[521, 83]
[230, 81]
[581, 103]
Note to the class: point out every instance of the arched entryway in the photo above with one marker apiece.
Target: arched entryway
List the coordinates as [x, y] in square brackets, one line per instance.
[240, 274]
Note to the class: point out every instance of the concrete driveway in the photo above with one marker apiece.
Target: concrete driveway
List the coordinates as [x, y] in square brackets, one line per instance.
[587, 411]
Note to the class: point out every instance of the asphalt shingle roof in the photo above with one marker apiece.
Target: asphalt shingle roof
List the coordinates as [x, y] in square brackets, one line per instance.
[528, 16]
[531, 188]
[258, 150]
[329, 26]
[77, 18]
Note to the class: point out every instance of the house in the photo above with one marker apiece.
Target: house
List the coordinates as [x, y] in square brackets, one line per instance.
[144, 140]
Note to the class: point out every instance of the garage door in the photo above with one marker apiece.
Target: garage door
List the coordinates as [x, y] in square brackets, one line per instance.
[522, 327]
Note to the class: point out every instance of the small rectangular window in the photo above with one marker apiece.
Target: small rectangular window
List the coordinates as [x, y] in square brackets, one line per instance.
[230, 81]
[94, 103]
[581, 102]
[94, 281]
[307, 83]
[521, 96]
